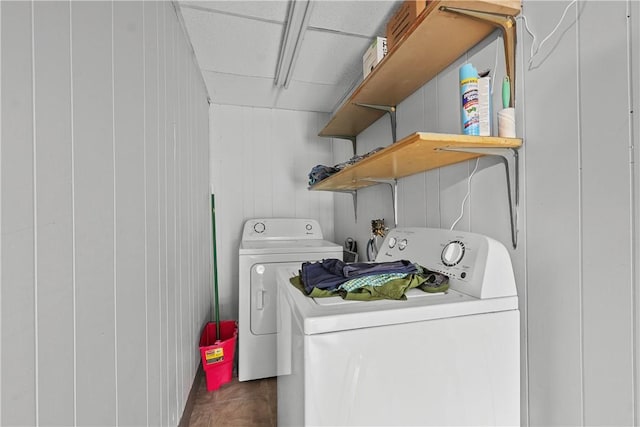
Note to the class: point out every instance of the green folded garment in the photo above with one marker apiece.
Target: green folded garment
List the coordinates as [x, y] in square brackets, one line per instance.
[376, 287]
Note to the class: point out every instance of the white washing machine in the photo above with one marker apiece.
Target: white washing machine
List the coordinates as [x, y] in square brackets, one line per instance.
[434, 359]
[267, 244]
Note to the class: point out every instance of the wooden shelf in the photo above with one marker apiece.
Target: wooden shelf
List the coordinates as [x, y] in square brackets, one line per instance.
[434, 41]
[414, 154]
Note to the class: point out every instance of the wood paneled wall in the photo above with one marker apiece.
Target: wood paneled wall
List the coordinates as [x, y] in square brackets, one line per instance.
[581, 203]
[260, 163]
[577, 261]
[105, 258]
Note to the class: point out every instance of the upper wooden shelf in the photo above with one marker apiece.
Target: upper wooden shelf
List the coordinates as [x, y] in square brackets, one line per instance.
[434, 41]
[416, 153]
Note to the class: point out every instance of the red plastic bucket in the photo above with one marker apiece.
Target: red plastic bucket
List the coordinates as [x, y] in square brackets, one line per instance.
[217, 357]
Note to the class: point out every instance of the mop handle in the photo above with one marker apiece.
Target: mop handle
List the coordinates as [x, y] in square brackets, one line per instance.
[215, 266]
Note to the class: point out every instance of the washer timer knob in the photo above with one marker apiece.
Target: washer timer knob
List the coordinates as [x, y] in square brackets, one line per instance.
[259, 227]
[403, 244]
[452, 253]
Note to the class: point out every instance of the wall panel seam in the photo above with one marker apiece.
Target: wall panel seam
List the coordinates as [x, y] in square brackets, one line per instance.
[580, 218]
[1, 212]
[633, 210]
[35, 216]
[190, 218]
[176, 261]
[166, 215]
[115, 211]
[146, 237]
[179, 220]
[159, 228]
[73, 218]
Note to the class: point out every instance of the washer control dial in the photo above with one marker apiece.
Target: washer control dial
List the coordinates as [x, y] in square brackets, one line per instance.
[309, 227]
[452, 253]
[259, 227]
[392, 242]
[402, 244]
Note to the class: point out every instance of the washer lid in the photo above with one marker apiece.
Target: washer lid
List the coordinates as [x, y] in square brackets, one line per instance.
[288, 246]
[322, 315]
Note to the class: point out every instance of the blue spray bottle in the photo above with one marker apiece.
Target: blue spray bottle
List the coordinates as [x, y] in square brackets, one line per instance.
[469, 93]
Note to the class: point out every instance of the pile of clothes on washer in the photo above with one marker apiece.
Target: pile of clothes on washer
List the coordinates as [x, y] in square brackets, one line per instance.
[366, 281]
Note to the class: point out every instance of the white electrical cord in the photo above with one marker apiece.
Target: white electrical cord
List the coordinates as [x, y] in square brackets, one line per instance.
[536, 49]
[467, 196]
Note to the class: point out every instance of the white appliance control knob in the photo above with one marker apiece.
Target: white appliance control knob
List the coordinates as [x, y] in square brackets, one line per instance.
[259, 227]
[309, 227]
[392, 242]
[402, 244]
[452, 253]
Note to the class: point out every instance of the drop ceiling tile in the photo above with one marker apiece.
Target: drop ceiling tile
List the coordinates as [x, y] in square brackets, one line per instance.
[264, 10]
[310, 96]
[259, 92]
[330, 58]
[233, 45]
[237, 45]
[240, 90]
[366, 18]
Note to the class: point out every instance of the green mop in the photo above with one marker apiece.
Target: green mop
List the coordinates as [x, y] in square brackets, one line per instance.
[217, 353]
[215, 268]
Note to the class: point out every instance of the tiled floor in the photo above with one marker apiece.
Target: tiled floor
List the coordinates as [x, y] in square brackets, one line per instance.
[247, 404]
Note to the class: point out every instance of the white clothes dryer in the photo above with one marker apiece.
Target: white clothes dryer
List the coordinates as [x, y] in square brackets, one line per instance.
[433, 359]
[268, 244]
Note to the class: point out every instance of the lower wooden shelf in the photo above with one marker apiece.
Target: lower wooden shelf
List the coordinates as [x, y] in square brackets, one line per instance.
[416, 153]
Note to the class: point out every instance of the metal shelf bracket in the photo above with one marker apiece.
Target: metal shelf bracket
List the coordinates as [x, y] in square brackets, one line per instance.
[349, 137]
[354, 196]
[507, 23]
[510, 160]
[393, 184]
[392, 115]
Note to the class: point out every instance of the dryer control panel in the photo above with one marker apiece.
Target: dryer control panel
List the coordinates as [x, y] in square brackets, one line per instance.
[475, 264]
[281, 229]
